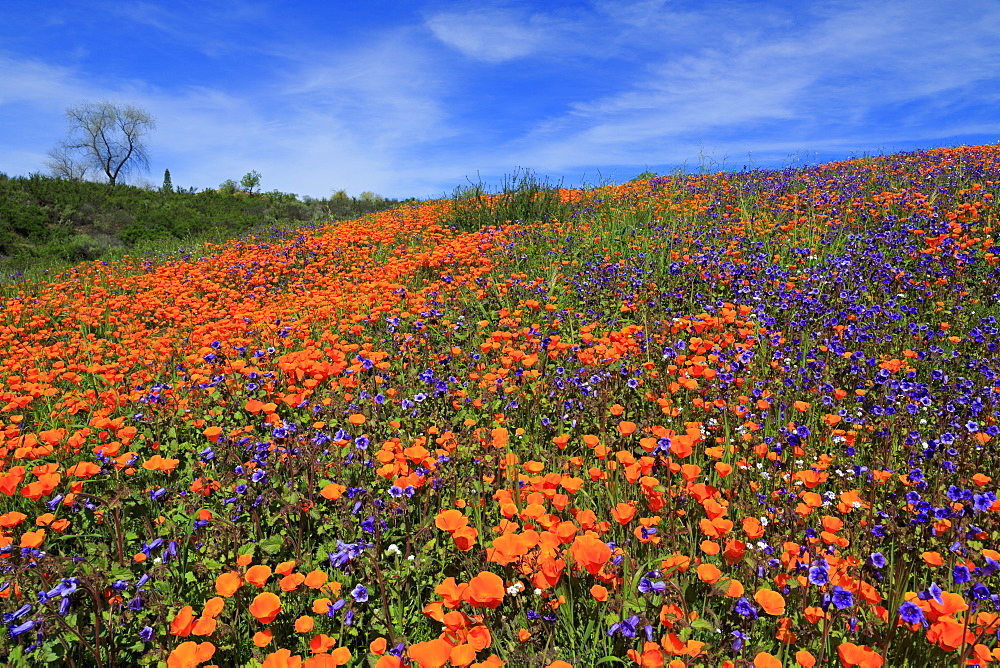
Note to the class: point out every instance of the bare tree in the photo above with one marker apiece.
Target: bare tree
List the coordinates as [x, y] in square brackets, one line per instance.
[110, 137]
[63, 164]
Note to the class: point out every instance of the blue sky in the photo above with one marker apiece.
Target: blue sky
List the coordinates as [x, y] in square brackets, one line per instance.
[412, 98]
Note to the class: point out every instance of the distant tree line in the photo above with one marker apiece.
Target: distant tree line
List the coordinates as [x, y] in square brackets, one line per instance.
[46, 220]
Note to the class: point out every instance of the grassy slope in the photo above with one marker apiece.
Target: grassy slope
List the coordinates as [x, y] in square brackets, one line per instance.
[762, 403]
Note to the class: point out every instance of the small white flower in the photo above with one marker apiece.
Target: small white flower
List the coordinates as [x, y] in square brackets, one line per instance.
[411, 557]
[538, 592]
[157, 561]
[393, 550]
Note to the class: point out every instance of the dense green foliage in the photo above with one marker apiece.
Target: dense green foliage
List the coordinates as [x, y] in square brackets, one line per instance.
[48, 222]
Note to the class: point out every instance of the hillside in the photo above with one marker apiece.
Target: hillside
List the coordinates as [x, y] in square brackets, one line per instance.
[717, 420]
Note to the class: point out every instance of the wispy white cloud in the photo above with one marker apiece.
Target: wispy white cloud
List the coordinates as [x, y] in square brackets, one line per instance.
[494, 34]
[828, 81]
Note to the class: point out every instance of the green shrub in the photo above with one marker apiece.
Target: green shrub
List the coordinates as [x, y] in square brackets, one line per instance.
[522, 197]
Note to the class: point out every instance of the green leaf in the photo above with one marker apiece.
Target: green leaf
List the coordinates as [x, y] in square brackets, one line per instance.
[702, 624]
[271, 545]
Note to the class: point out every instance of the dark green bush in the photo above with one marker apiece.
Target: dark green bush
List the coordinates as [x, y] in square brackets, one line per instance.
[47, 220]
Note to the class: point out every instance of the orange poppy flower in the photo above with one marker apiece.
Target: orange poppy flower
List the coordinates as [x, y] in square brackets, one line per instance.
[183, 622]
[753, 528]
[258, 575]
[190, 654]
[590, 552]
[332, 491]
[450, 520]
[204, 626]
[430, 654]
[861, 656]
[322, 643]
[32, 539]
[465, 538]
[805, 659]
[709, 573]
[339, 657]
[228, 584]
[377, 646]
[282, 658]
[765, 660]
[316, 579]
[462, 654]
[932, 558]
[625, 428]
[265, 607]
[304, 624]
[12, 519]
[263, 638]
[485, 590]
[734, 589]
[623, 513]
[771, 601]
[214, 607]
[291, 581]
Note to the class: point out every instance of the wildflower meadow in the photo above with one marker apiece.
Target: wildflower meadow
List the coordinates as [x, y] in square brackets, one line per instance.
[706, 420]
